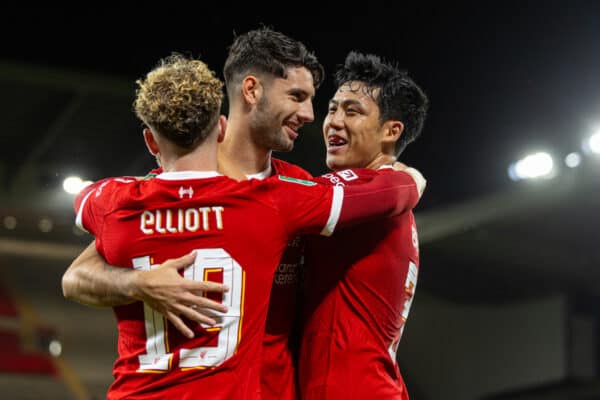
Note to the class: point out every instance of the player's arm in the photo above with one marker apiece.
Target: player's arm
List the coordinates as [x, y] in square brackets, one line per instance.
[385, 195]
[306, 205]
[89, 280]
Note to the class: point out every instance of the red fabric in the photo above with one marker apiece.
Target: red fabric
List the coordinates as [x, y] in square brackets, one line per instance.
[278, 372]
[258, 220]
[359, 285]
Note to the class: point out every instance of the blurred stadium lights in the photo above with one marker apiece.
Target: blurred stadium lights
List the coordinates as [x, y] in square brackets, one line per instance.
[74, 184]
[537, 165]
[573, 160]
[592, 144]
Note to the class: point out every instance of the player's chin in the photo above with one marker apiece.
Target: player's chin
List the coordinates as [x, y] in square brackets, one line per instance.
[283, 145]
[335, 163]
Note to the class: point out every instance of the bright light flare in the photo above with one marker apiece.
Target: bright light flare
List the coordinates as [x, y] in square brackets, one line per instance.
[573, 160]
[74, 184]
[594, 143]
[538, 165]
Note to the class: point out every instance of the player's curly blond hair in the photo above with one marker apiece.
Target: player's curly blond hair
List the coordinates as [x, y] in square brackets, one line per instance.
[180, 99]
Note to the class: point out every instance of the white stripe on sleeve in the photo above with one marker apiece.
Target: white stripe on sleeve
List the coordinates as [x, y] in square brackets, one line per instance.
[336, 209]
[78, 219]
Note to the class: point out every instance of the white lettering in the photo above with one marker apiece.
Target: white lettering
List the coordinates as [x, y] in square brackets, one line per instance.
[146, 219]
[159, 228]
[218, 210]
[192, 220]
[205, 211]
[169, 221]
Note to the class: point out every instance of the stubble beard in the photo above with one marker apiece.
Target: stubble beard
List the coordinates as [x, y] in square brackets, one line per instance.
[268, 129]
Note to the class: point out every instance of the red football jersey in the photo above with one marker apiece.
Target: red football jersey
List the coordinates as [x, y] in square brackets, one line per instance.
[240, 231]
[278, 372]
[359, 287]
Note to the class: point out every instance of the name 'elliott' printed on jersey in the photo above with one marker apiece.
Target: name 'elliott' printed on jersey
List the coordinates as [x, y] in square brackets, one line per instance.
[181, 220]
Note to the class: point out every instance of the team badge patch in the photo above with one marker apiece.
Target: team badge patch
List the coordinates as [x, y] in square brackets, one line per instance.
[347, 175]
[294, 180]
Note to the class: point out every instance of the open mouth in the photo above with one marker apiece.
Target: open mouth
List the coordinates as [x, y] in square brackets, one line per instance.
[336, 141]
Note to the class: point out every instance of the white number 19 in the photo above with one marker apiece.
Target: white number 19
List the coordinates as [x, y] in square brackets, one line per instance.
[213, 265]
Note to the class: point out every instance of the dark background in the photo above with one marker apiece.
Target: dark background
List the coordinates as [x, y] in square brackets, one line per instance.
[503, 78]
[507, 304]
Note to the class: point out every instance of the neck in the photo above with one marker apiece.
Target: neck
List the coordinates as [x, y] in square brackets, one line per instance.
[202, 158]
[380, 160]
[239, 152]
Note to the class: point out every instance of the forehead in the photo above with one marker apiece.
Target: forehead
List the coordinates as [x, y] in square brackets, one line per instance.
[355, 91]
[298, 78]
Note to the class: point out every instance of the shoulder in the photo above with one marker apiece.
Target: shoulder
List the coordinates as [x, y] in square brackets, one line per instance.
[281, 167]
[113, 190]
[348, 176]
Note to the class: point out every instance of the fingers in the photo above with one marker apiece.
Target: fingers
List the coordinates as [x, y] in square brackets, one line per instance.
[419, 179]
[398, 166]
[208, 286]
[201, 316]
[203, 302]
[181, 262]
[179, 325]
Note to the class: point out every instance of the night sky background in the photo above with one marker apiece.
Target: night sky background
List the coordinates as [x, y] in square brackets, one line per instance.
[503, 78]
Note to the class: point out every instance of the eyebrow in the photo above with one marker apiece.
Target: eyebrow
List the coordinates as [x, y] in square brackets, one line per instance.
[346, 103]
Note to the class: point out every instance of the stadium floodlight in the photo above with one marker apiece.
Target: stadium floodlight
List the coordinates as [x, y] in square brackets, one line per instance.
[538, 165]
[593, 143]
[74, 184]
[573, 160]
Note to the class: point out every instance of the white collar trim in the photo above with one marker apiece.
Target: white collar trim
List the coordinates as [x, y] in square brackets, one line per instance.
[179, 175]
[262, 174]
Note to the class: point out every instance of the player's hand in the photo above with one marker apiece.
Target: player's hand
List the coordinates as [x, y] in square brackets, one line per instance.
[414, 173]
[169, 293]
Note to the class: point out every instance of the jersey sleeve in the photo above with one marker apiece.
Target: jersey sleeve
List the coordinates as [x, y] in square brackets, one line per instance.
[88, 211]
[385, 194]
[95, 201]
[306, 207]
[313, 207]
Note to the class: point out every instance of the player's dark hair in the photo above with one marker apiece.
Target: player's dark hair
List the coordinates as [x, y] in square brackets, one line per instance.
[265, 51]
[399, 97]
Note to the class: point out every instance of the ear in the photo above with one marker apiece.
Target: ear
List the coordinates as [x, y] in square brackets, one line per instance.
[222, 128]
[251, 89]
[392, 132]
[151, 142]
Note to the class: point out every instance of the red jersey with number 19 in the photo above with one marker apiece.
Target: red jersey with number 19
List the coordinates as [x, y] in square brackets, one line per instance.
[239, 231]
[360, 284]
[278, 370]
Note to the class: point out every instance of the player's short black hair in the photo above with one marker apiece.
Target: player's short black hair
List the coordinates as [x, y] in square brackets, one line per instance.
[266, 51]
[398, 98]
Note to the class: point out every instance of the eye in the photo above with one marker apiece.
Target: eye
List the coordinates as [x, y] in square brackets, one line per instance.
[351, 110]
[332, 108]
[299, 96]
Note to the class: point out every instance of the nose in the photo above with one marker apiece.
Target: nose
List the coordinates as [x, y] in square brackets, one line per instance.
[305, 113]
[335, 119]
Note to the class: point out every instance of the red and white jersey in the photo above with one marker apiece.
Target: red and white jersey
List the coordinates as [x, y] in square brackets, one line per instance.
[239, 231]
[359, 287]
[278, 372]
